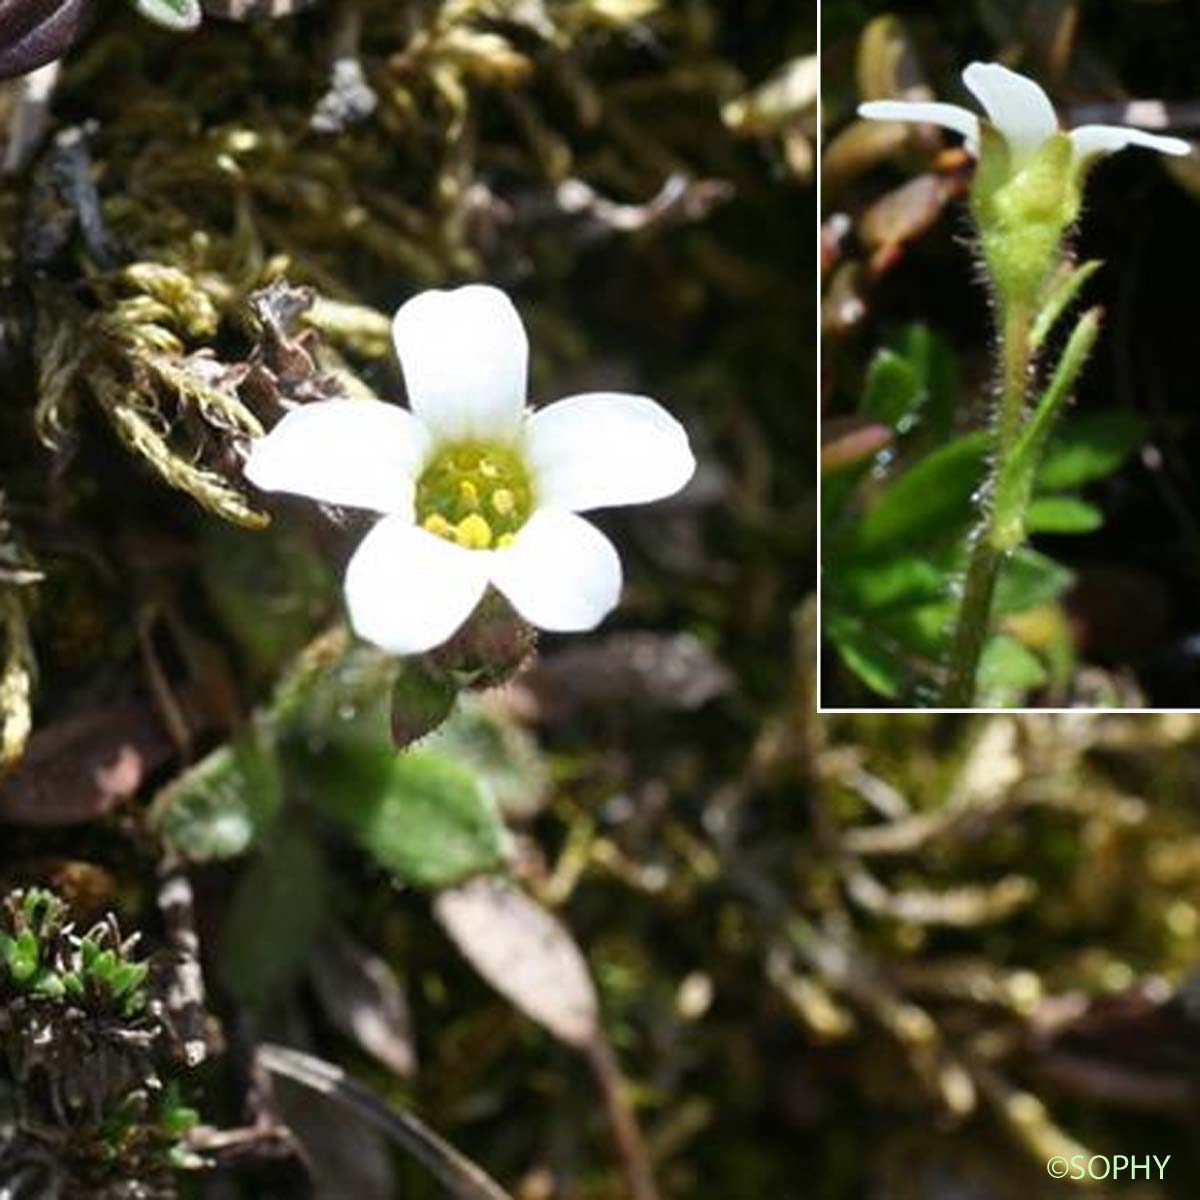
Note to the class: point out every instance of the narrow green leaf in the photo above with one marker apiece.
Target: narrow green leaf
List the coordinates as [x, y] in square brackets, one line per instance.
[1014, 484]
[892, 391]
[1090, 447]
[936, 364]
[1065, 288]
[23, 956]
[883, 584]
[867, 657]
[1062, 514]
[930, 501]
[127, 976]
[277, 913]
[1027, 580]
[104, 965]
[48, 983]
[1007, 671]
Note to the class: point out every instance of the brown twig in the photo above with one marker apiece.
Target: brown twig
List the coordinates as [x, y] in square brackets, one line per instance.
[628, 1137]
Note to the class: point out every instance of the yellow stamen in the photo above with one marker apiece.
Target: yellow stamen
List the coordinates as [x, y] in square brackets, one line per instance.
[473, 532]
[502, 501]
[468, 493]
[505, 539]
[437, 524]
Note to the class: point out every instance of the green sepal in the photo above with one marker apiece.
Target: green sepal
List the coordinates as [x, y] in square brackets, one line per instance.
[1023, 213]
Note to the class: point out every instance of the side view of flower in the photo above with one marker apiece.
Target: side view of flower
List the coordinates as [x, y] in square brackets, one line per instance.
[1029, 183]
[1024, 199]
[475, 491]
[1021, 113]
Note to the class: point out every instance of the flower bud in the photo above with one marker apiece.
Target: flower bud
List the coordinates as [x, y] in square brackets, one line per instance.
[489, 648]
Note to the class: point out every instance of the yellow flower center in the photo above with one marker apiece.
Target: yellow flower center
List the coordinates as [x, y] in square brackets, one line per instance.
[475, 494]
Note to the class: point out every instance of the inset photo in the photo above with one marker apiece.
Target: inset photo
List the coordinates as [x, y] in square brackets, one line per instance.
[1010, 224]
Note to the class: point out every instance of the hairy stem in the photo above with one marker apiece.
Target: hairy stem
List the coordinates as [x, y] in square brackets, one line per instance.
[1015, 353]
[974, 623]
[974, 615]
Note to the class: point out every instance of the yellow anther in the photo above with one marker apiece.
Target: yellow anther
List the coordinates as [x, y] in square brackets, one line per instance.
[505, 539]
[473, 494]
[473, 532]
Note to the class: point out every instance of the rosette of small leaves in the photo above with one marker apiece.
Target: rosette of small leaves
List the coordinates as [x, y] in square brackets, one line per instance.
[83, 1040]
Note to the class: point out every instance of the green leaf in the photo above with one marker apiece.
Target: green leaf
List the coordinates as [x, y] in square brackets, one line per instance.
[867, 656]
[936, 365]
[1027, 580]
[342, 699]
[930, 501]
[1008, 670]
[178, 1119]
[127, 977]
[892, 391]
[891, 583]
[1062, 514]
[424, 814]
[1089, 447]
[218, 808]
[104, 965]
[421, 815]
[1064, 289]
[1018, 469]
[22, 955]
[48, 983]
[277, 913]
[499, 750]
[179, 15]
[271, 591]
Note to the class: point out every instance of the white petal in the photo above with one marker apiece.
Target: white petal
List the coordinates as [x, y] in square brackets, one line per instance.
[362, 453]
[561, 573]
[948, 116]
[1017, 107]
[464, 355]
[1089, 140]
[606, 448]
[408, 591]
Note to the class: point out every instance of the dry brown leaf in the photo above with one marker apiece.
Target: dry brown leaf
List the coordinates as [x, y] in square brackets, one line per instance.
[525, 953]
[364, 1000]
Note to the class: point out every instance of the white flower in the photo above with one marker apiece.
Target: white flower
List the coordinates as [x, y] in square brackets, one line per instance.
[1022, 113]
[474, 489]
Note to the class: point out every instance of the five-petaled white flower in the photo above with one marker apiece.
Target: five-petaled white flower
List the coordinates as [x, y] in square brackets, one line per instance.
[475, 490]
[1022, 113]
